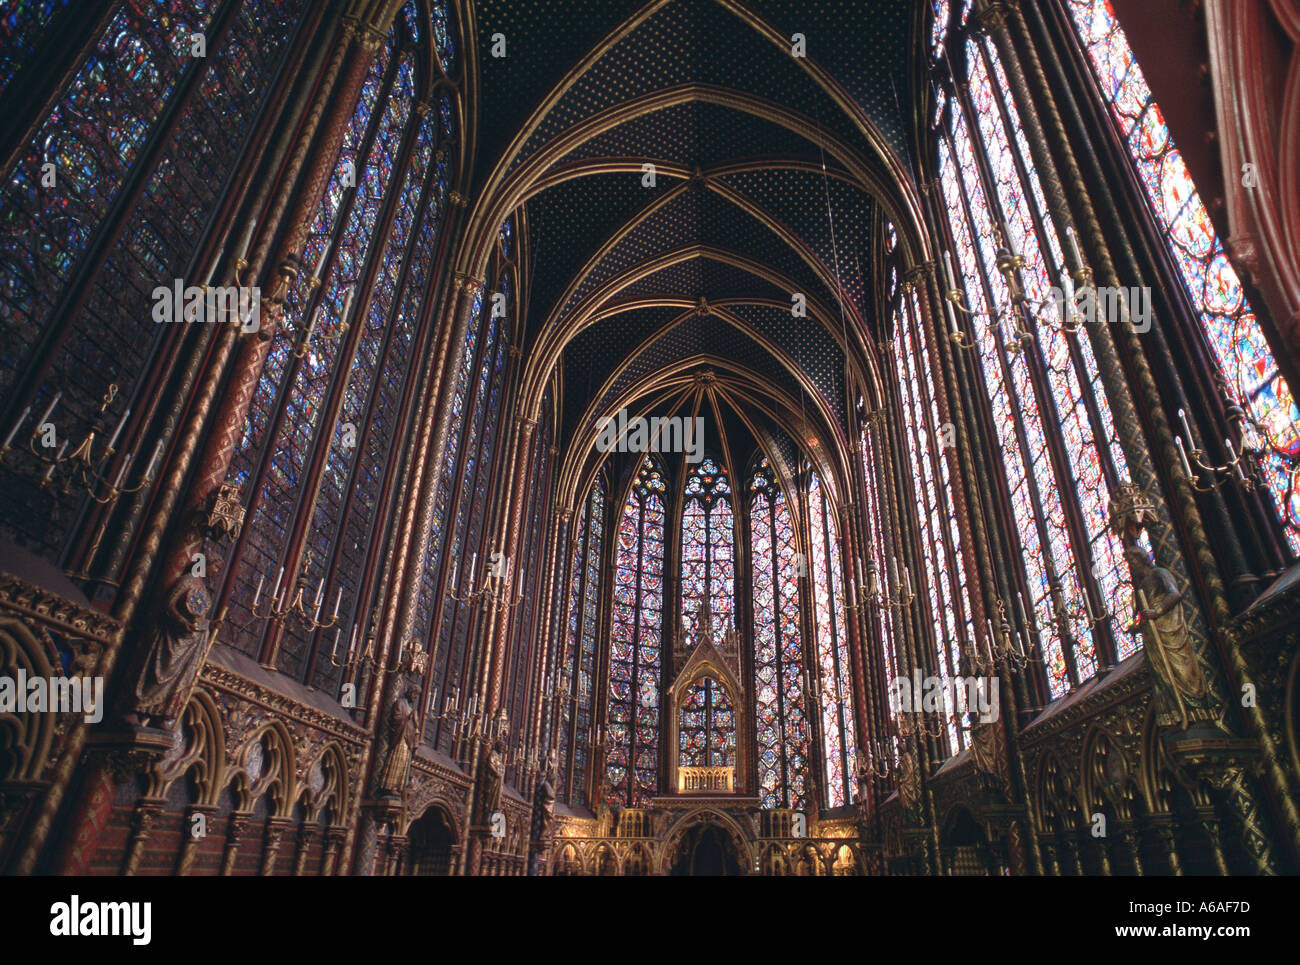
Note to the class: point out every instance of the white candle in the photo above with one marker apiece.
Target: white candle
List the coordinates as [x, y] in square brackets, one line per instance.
[1191, 439]
[473, 565]
[352, 643]
[907, 581]
[121, 472]
[153, 460]
[992, 639]
[893, 571]
[334, 652]
[338, 598]
[49, 409]
[257, 594]
[347, 303]
[320, 265]
[1236, 462]
[212, 268]
[248, 239]
[1187, 466]
[947, 267]
[1073, 246]
[320, 593]
[1020, 605]
[112, 443]
[49, 473]
[17, 425]
[275, 594]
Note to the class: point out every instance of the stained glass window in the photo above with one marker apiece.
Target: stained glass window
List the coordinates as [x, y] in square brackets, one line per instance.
[324, 415]
[780, 717]
[1073, 563]
[943, 587]
[635, 664]
[467, 475]
[526, 631]
[708, 540]
[159, 205]
[21, 27]
[939, 14]
[301, 375]
[706, 732]
[577, 675]
[1212, 284]
[839, 739]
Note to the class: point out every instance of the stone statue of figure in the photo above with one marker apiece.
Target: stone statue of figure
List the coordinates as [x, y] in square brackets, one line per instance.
[171, 659]
[703, 620]
[402, 726]
[491, 776]
[542, 831]
[1167, 641]
[864, 788]
[909, 779]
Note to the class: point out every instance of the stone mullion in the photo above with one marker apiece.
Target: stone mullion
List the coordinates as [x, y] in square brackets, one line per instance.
[863, 706]
[926, 325]
[808, 631]
[877, 720]
[553, 654]
[1013, 562]
[70, 307]
[556, 526]
[498, 629]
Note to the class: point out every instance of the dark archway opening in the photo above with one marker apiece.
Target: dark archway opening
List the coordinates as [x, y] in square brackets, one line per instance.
[431, 840]
[706, 851]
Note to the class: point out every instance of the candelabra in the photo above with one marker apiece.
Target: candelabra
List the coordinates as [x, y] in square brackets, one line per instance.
[275, 309]
[1017, 656]
[882, 756]
[286, 604]
[1229, 471]
[1010, 265]
[495, 588]
[82, 462]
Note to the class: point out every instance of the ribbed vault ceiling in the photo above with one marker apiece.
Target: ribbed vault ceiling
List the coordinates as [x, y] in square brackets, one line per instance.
[772, 176]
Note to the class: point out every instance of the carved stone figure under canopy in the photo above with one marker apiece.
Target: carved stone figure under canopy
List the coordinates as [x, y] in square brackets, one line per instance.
[542, 832]
[1187, 695]
[402, 727]
[171, 659]
[491, 776]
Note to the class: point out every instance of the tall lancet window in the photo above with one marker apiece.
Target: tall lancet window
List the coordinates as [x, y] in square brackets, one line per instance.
[876, 516]
[1059, 449]
[576, 684]
[943, 589]
[325, 411]
[1231, 328]
[835, 678]
[782, 724]
[636, 643]
[97, 217]
[462, 504]
[708, 547]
